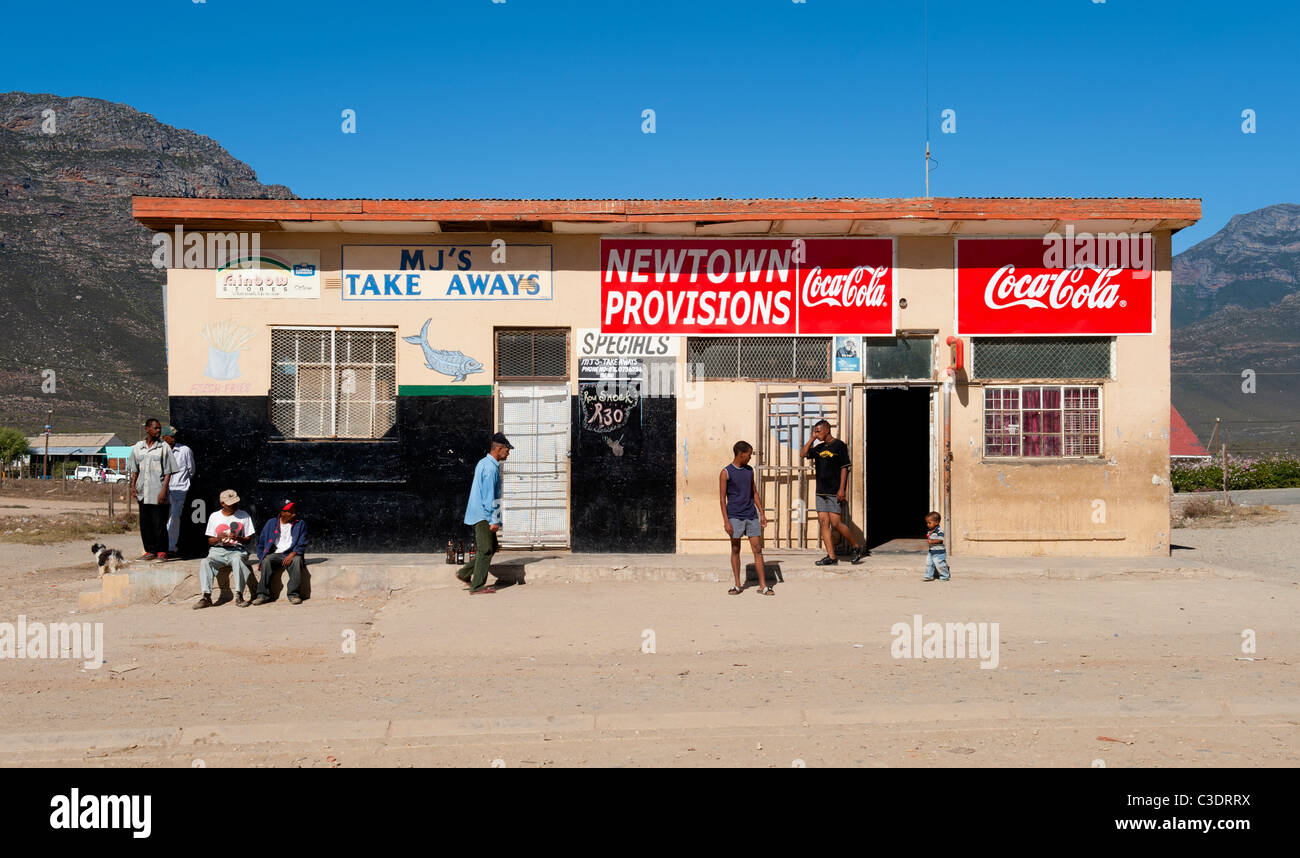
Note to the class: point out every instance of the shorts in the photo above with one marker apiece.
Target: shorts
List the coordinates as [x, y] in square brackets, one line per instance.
[829, 503]
[742, 527]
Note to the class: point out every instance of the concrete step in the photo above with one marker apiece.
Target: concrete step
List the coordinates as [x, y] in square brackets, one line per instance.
[351, 574]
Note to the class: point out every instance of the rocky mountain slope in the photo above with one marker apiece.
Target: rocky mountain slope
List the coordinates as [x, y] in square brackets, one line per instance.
[78, 294]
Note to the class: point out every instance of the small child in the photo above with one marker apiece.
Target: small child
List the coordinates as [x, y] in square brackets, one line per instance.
[742, 515]
[937, 556]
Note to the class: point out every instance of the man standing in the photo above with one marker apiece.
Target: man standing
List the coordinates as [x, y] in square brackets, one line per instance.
[229, 532]
[831, 461]
[150, 466]
[483, 512]
[183, 458]
[280, 546]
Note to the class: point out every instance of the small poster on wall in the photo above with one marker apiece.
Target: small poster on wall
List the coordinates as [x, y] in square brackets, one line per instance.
[847, 354]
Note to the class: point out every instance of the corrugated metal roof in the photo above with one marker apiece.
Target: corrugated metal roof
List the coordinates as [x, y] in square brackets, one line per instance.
[94, 441]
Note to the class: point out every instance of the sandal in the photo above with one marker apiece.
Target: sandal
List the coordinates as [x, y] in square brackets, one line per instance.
[766, 591]
[734, 591]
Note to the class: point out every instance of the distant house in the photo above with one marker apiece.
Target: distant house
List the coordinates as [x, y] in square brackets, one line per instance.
[88, 449]
[1184, 446]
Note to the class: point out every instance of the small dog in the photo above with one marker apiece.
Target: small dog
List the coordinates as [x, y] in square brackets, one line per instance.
[108, 559]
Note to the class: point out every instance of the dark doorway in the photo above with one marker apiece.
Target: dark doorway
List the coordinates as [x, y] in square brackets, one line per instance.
[898, 463]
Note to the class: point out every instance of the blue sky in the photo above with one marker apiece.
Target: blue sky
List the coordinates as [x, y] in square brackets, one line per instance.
[539, 98]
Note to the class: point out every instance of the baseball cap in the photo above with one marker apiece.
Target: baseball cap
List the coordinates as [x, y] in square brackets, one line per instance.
[230, 496]
[289, 506]
[498, 438]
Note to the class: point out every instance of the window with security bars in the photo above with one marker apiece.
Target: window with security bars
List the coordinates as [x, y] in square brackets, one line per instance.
[530, 354]
[1042, 421]
[1041, 357]
[333, 382]
[759, 358]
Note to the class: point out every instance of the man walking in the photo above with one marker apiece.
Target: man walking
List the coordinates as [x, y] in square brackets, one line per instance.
[151, 466]
[283, 540]
[830, 458]
[230, 529]
[483, 512]
[179, 486]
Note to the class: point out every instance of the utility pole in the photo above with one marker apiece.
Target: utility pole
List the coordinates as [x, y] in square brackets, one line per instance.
[49, 422]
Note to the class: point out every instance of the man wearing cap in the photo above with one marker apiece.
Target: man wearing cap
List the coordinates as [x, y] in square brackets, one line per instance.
[280, 546]
[229, 532]
[151, 467]
[183, 459]
[483, 512]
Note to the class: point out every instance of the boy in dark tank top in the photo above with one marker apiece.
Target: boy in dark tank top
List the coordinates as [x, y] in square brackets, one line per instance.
[742, 515]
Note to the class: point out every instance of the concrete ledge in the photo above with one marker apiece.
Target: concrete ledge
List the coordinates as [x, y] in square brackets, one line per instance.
[351, 574]
[149, 585]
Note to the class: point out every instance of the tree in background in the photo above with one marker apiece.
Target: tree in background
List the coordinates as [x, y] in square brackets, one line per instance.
[13, 446]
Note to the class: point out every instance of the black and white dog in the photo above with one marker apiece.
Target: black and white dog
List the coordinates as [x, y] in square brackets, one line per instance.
[108, 559]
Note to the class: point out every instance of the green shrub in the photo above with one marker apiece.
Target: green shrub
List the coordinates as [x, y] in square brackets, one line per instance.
[1277, 472]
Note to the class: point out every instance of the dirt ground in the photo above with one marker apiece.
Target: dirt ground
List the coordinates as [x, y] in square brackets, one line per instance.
[1125, 670]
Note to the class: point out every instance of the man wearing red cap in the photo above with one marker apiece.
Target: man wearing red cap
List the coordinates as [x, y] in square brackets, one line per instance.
[280, 546]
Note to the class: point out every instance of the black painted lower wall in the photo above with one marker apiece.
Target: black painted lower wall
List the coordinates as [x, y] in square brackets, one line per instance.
[623, 490]
[405, 493]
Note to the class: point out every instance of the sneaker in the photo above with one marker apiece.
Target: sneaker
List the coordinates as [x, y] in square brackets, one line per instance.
[160, 556]
[240, 601]
[295, 599]
[857, 555]
[260, 600]
[482, 590]
[204, 602]
[827, 561]
[927, 579]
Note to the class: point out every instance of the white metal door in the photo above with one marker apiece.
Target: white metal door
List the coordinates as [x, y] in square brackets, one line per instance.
[535, 479]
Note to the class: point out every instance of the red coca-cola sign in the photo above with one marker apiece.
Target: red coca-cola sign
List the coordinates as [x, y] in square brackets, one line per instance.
[747, 286]
[1073, 284]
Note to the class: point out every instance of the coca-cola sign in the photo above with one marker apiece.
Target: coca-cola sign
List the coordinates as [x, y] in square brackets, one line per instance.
[1029, 286]
[747, 286]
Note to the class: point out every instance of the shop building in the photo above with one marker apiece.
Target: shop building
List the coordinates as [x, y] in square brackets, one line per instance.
[1003, 360]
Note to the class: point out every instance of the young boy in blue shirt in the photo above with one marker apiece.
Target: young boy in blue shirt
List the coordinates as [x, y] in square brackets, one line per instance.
[936, 558]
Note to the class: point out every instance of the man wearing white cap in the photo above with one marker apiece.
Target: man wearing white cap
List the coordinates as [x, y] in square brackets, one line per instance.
[229, 532]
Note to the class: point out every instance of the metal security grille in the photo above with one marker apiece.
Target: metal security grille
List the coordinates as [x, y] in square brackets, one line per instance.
[532, 354]
[1042, 421]
[333, 382]
[1041, 357]
[760, 358]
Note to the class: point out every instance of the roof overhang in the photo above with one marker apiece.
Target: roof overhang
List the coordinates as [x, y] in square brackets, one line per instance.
[717, 217]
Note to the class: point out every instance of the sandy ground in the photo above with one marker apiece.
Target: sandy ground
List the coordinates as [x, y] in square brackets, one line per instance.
[555, 674]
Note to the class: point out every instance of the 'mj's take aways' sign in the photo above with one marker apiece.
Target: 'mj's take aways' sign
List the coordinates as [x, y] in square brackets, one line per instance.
[447, 272]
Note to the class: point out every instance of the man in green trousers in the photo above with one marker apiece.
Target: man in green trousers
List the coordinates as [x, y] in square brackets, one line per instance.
[483, 512]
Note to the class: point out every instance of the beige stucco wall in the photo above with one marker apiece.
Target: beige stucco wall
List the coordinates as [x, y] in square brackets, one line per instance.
[1031, 508]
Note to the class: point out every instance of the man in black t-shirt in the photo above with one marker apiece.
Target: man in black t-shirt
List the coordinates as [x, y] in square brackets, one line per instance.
[831, 461]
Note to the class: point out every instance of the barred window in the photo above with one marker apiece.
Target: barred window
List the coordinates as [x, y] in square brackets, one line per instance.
[899, 357]
[1041, 357]
[1042, 421]
[333, 382]
[533, 354]
[759, 358]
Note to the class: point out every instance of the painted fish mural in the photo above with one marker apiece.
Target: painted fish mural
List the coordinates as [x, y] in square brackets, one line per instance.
[455, 364]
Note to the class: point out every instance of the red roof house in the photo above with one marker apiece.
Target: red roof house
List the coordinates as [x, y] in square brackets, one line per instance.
[1183, 443]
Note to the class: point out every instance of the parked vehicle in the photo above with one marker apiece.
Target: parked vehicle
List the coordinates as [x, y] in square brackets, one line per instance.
[96, 474]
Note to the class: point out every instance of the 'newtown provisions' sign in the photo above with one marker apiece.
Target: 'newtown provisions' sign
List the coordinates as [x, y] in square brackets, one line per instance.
[747, 286]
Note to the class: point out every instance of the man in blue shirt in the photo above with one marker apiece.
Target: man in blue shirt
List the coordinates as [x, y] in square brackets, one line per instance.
[483, 512]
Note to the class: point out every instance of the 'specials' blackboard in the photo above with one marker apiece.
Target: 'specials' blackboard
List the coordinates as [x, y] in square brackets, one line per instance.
[609, 399]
